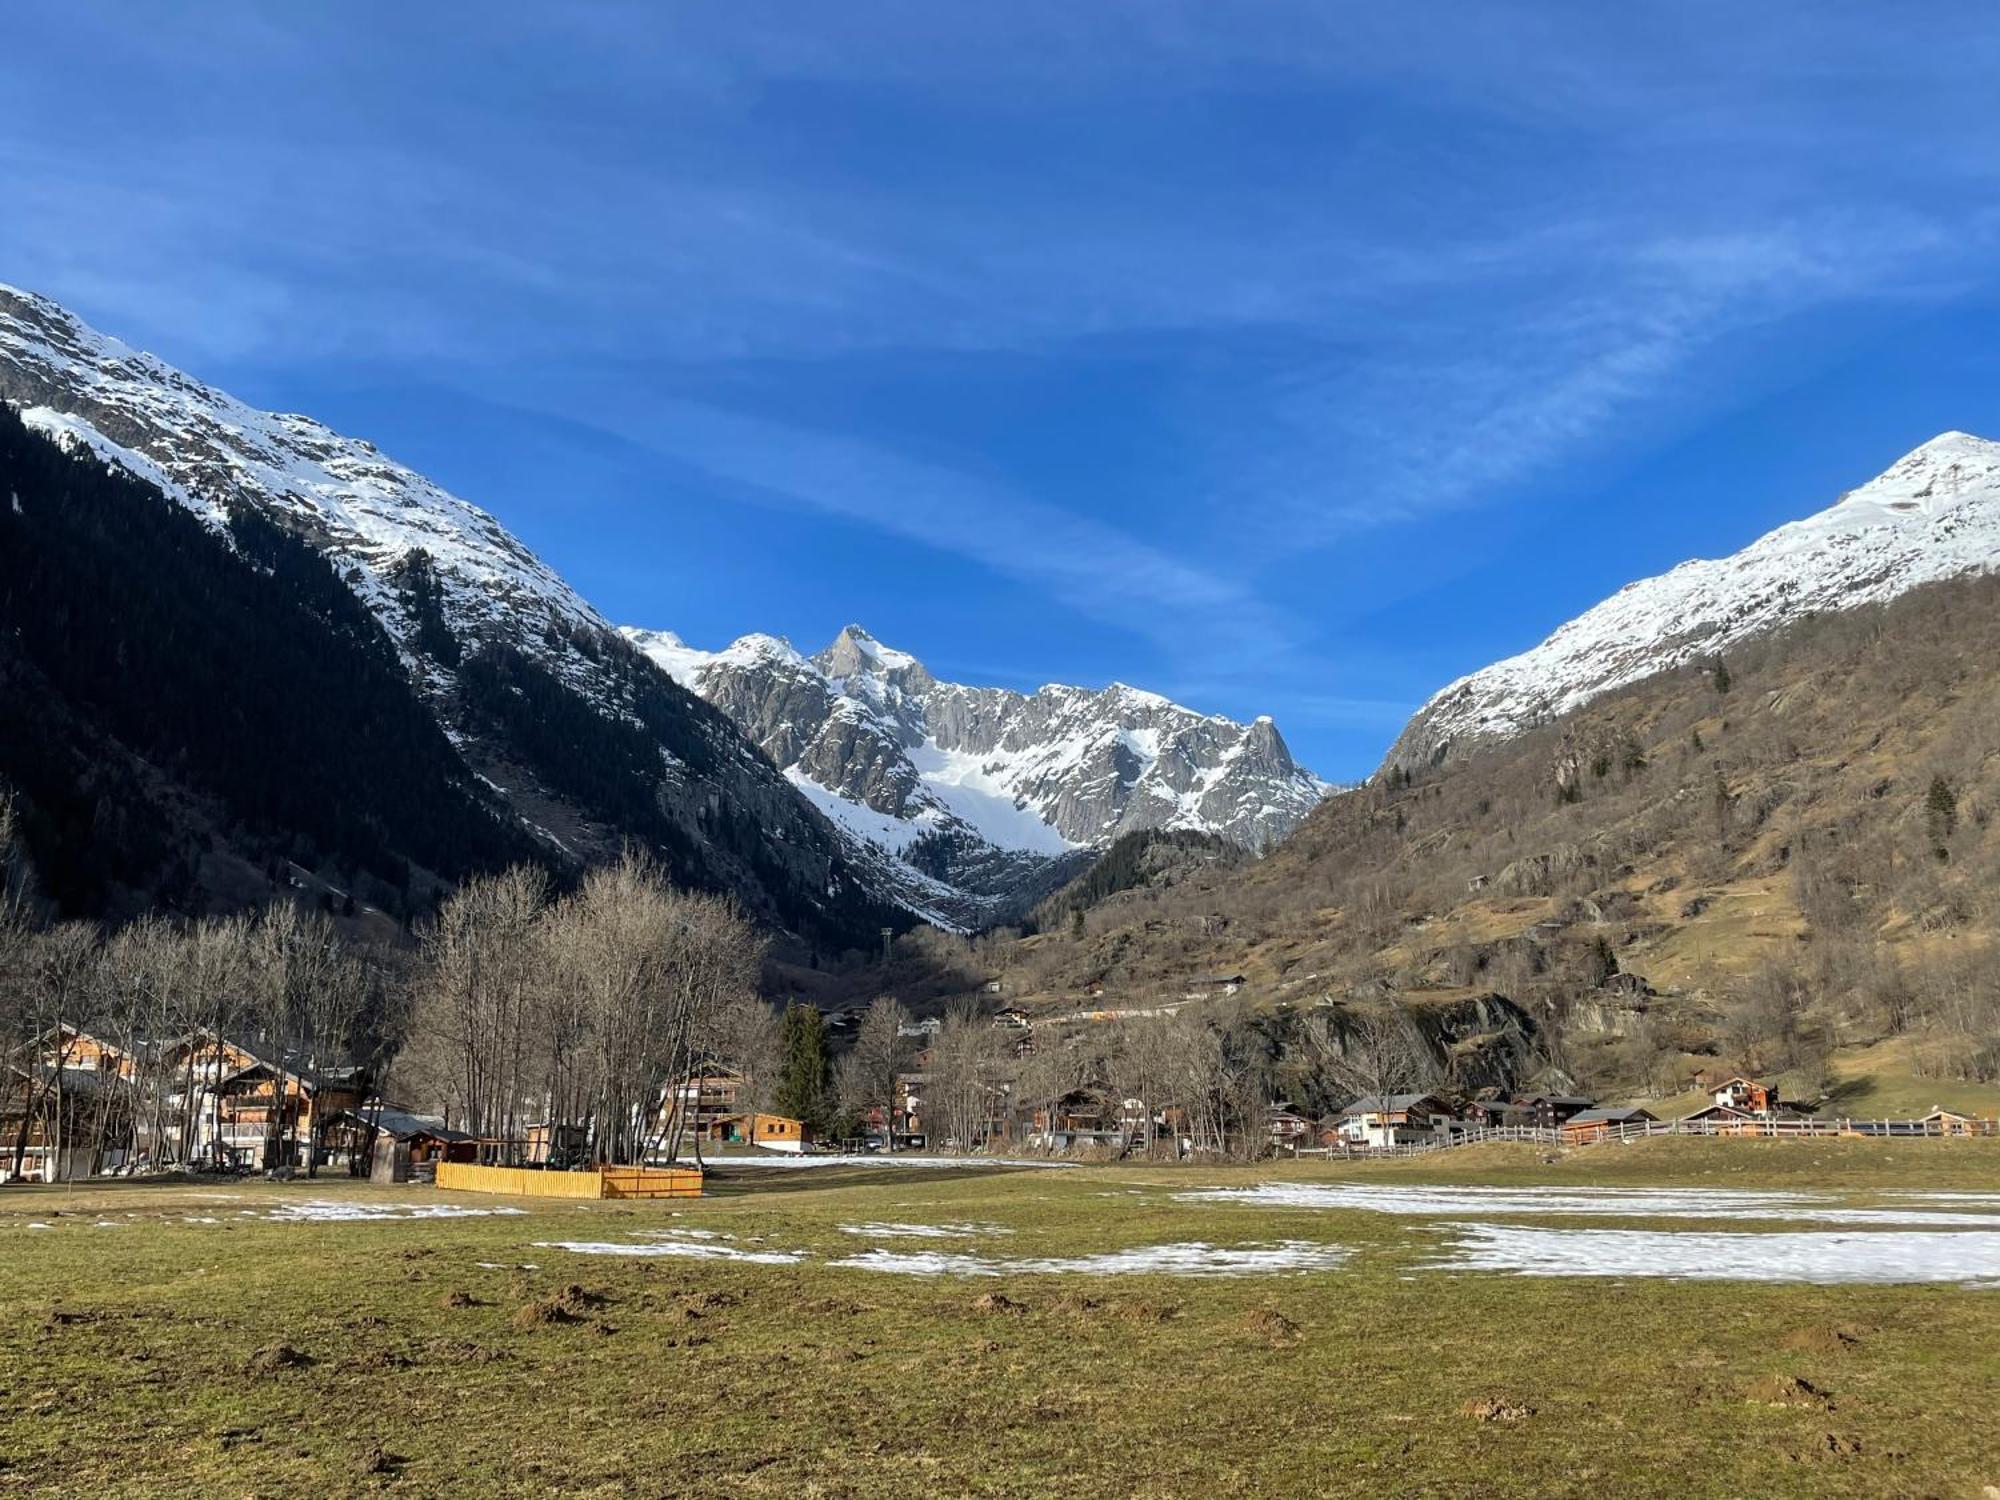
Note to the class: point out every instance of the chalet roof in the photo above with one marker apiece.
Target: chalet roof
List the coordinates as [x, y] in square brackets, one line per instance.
[1939, 1112]
[403, 1124]
[77, 1084]
[1721, 1112]
[1375, 1104]
[1609, 1116]
[136, 1047]
[1528, 1101]
[311, 1078]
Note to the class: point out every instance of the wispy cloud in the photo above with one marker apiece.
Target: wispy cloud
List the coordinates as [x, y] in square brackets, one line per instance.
[1206, 620]
[1470, 248]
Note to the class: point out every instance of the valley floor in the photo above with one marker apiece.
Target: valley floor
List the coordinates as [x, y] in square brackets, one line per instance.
[1495, 1324]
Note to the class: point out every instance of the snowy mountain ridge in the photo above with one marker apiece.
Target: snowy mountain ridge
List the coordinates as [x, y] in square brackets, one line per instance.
[1933, 514]
[955, 803]
[502, 650]
[984, 789]
[198, 443]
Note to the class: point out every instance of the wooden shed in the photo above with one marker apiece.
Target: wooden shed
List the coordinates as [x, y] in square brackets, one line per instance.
[1942, 1121]
[1590, 1125]
[769, 1132]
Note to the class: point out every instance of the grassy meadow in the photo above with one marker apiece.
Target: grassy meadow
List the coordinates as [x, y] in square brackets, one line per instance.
[143, 1352]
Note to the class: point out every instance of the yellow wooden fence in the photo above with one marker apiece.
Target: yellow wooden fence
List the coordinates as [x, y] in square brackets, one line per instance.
[598, 1182]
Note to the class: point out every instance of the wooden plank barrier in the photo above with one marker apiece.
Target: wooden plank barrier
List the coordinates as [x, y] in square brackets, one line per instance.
[650, 1182]
[599, 1182]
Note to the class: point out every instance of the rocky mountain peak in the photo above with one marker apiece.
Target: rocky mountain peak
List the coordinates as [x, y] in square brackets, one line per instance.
[856, 653]
[985, 795]
[1934, 513]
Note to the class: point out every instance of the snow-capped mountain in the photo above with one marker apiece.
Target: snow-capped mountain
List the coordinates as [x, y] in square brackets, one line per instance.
[1934, 514]
[982, 795]
[577, 737]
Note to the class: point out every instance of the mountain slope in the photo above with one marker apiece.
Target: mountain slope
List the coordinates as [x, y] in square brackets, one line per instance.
[236, 710]
[1784, 877]
[982, 797]
[1934, 514]
[587, 744]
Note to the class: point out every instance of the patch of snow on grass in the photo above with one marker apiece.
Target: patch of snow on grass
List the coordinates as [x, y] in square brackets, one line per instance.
[1624, 1203]
[684, 1249]
[1191, 1259]
[1825, 1259]
[328, 1211]
[924, 1231]
[685, 1234]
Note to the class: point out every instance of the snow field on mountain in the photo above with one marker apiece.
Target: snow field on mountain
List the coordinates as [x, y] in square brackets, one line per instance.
[1933, 514]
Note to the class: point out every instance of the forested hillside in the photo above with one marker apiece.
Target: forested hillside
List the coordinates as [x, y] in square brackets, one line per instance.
[181, 709]
[1782, 860]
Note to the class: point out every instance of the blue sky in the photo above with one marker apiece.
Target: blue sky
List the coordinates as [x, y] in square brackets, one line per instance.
[1288, 358]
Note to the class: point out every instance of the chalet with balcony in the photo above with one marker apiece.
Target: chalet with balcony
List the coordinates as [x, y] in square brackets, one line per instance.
[1379, 1121]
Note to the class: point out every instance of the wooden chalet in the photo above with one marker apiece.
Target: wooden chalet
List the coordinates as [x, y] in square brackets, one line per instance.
[1286, 1129]
[1493, 1113]
[275, 1110]
[1551, 1111]
[1745, 1096]
[1082, 1119]
[1384, 1120]
[61, 1124]
[708, 1099]
[67, 1046]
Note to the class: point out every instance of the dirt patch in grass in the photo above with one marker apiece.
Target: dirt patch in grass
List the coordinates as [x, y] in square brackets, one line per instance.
[1787, 1390]
[832, 1307]
[998, 1302]
[1831, 1445]
[376, 1362]
[379, 1460]
[1835, 1339]
[1268, 1323]
[459, 1352]
[1496, 1409]
[273, 1358]
[461, 1299]
[549, 1312]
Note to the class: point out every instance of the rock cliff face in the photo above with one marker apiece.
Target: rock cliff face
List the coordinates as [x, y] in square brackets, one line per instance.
[989, 797]
[587, 742]
[1934, 514]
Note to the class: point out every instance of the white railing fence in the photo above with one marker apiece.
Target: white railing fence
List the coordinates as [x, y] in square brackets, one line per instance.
[1590, 1132]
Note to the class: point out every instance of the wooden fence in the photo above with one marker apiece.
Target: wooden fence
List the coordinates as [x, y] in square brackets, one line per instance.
[596, 1182]
[1783, 1128]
